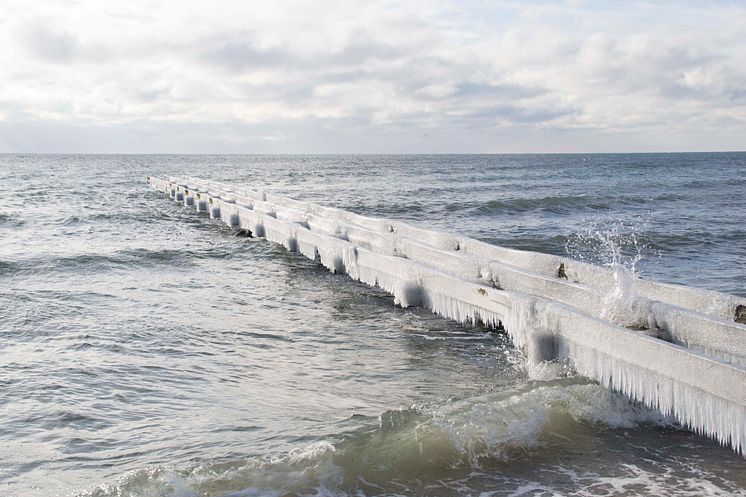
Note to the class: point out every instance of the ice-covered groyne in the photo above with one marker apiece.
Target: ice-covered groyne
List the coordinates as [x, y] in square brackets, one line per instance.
[679, 349]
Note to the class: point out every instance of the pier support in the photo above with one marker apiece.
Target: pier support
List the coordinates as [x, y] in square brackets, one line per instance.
[679, 349]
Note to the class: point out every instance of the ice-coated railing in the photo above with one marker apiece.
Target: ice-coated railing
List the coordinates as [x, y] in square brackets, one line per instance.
[679, 349]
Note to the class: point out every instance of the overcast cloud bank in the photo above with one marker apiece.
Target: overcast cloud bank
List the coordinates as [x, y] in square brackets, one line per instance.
[296, 77]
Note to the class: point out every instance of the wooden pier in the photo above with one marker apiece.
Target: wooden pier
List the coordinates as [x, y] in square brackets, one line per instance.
[679, 349]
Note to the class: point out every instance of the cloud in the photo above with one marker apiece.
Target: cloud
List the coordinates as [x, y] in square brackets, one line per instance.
[50, 43]
[470, 73]
[242, 55]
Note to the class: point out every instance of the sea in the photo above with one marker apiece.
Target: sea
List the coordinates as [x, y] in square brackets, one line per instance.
[146, 350]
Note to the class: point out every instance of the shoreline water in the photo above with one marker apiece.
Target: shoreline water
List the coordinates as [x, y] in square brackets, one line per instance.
[148, 351]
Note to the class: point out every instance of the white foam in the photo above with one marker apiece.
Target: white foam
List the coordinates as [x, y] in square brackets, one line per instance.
[493, 425]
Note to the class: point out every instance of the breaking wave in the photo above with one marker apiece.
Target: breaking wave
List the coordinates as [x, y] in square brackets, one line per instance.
[467, 441]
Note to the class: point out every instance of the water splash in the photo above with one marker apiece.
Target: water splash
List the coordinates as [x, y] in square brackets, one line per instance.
[621, 247]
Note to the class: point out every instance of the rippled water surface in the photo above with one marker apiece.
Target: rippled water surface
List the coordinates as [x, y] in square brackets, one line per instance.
[148, 351]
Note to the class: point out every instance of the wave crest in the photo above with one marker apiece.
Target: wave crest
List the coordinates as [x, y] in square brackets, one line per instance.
[453, 442]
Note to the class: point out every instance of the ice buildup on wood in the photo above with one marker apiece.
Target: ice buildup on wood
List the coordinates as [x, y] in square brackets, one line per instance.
[679, 349]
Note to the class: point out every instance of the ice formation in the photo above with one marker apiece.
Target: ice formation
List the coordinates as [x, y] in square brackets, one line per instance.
[675, 348]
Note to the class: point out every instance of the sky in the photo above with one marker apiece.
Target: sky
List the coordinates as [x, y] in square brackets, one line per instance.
[331, 76]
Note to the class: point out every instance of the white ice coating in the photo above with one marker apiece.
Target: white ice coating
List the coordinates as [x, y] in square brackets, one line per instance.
[672, 347]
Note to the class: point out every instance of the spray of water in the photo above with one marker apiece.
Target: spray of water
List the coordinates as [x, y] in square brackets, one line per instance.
[619, 246]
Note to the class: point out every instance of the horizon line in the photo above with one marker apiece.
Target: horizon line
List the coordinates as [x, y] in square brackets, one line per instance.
[379, 153]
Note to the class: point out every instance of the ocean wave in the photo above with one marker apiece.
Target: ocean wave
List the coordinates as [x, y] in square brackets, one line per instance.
[564, 204]
[555, 204]
[481, 435]
[9, 220]
[122, 258]
[128, 258]
[505, 426]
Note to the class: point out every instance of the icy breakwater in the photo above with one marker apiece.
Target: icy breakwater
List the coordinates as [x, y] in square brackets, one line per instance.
[679, 349]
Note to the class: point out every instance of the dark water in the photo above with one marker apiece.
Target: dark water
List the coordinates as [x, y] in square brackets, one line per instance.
[148, 351]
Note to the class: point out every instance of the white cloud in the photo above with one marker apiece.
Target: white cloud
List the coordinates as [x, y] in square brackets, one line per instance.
[513, 76]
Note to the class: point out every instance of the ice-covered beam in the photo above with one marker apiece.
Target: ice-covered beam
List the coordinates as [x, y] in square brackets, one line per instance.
[709, 322]
[618, 304]
[672, 347]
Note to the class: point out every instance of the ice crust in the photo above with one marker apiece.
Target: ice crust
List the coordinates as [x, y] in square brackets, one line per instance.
[672, 347]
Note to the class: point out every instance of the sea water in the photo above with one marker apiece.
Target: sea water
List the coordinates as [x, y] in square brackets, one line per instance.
[146, 350]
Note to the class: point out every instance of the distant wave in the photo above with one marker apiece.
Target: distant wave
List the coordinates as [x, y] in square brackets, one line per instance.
[560, 204]
[552, 204]
[97, 262]
[8, 220]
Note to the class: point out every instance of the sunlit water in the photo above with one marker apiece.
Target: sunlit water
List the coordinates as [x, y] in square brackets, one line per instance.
[148, 351]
